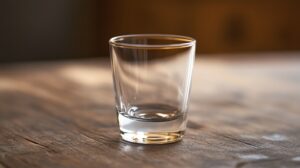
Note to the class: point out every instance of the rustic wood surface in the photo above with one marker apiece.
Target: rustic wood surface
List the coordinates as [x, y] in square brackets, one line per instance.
[243, 113]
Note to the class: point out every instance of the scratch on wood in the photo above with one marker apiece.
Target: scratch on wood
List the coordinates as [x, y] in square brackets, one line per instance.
[89, 137]
[41, 145]
[83, 131]
[238, 140]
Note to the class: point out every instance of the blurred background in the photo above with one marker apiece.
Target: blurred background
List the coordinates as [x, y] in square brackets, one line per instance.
[63, 29]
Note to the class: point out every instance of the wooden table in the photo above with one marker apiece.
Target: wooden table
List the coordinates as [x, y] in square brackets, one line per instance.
[243, 113]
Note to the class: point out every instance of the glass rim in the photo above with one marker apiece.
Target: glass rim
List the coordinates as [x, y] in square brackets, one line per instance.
[181, 41]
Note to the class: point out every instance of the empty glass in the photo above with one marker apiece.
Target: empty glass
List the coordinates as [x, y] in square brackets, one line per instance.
[152, 78]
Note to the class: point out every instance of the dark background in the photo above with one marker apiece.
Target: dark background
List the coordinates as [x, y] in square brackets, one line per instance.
[61, 29]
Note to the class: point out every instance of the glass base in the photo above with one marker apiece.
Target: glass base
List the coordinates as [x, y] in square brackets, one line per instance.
[152, 138]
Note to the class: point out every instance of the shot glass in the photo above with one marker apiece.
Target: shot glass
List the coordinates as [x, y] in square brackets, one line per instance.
[152, 79]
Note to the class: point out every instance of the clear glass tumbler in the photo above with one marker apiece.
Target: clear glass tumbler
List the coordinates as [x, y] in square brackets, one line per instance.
[152, 79]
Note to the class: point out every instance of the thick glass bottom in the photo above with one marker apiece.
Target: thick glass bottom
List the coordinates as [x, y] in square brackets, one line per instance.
[151, 131]
[152, 138]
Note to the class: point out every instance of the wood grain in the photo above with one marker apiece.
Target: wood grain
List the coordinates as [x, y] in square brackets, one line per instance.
[243, 113]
